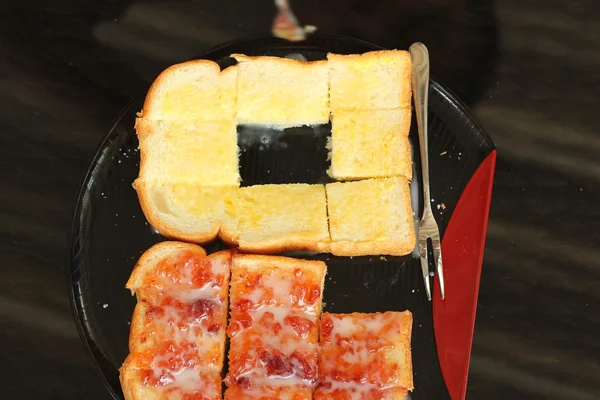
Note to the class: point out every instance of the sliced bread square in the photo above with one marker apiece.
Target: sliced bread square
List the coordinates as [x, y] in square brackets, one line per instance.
[370, 217]
[282, 92]
[189, 152]
[371, 144]
[376, 80]
[278, 218]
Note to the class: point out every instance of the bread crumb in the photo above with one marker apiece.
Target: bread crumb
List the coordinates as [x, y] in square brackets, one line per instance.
[104, 305]
[443, 152]
[443, 206]
[382, 258]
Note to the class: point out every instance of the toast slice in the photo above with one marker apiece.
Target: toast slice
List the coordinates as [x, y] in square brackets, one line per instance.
[193, 90]
[281, 92]
[278, 218]
[370, 144]
[273, 328]
[188, 151]
[365, 356]
[370, 217]
[185, 211]
[377, 80]
[177, 336]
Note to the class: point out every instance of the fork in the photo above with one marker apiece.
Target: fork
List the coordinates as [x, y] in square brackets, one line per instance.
[428, 228]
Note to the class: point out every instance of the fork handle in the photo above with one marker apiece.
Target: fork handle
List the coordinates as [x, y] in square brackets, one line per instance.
[420, 86]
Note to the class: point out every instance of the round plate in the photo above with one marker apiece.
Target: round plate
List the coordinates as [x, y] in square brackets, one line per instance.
[110, 231]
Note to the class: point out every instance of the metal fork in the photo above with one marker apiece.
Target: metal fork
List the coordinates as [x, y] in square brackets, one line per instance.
[428, 228]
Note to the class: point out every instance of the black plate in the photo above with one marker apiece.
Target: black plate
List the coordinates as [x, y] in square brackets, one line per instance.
[110, 231]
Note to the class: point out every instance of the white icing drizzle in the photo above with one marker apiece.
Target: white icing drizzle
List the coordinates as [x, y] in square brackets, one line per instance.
[218, 266]
[344, 327]
[208, 291]
[281, 288]
[256, 295]
[187, 380]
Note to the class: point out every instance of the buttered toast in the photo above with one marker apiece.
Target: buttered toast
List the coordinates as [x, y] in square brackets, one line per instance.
[370, 144]
[370, 217]
[282, 92]
[268, 218]
[189, 180]
[203, 153]
[377, 80]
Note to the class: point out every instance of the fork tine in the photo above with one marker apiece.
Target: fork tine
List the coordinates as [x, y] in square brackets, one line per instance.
[439, 267]
[425, 270]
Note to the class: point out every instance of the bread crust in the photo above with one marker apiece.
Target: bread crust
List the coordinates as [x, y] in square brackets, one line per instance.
[279, 262]
[154, 254]
[290, 61]
[275, 246]
[373, 248]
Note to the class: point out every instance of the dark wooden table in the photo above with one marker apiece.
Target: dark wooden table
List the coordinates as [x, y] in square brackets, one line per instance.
[528, 69]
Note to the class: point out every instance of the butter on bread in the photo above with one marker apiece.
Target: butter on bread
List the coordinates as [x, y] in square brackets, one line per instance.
[188, 152]
[370, 144]
[193, 90]
[370, 217]
[182, 211]
[277, 218]
[377, 80]
[188, 185]
[282, 92]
